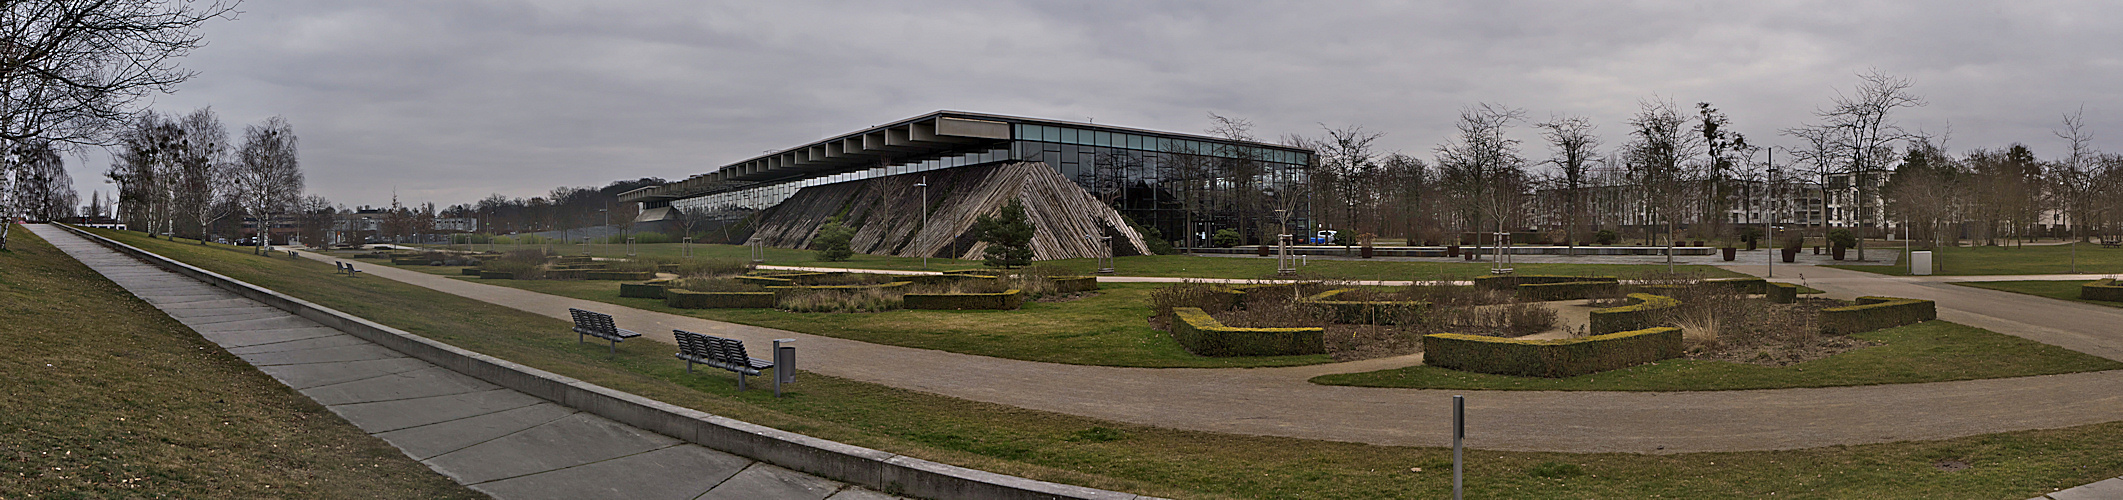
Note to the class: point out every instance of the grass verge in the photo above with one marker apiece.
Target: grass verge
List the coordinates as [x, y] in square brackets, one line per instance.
[107, 397]
[2060, 290]
[1188, 464]
[2009, 260]
[1932, 351]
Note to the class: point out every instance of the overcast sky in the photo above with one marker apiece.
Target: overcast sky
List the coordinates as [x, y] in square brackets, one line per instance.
[451, 100]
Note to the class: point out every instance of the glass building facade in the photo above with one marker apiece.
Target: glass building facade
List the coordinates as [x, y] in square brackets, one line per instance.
[1185, 186]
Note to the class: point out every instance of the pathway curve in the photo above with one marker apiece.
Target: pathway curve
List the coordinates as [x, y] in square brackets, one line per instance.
[501, 442]
[1280, 402]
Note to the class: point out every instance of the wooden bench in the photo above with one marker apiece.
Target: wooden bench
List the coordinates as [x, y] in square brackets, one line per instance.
[346, 268]
[599, 325]
[727, 354]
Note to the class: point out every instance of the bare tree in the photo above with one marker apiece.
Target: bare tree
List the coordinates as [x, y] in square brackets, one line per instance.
[269, 171]
[1350, 155]
[1482, 167]
[1865, 135]
[1728, 150]
[1660, 143]
[203, 176]
[1572, 145]
[41, 187]
[145, 170]
[314, 216]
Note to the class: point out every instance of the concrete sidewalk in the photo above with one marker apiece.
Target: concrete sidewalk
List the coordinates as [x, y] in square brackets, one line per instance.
[498, 441]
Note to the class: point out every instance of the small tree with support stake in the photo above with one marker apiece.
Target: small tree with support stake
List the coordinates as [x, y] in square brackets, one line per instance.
[1008, 235]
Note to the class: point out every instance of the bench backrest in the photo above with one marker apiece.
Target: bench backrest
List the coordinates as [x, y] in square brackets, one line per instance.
[593, 321]
[730, 351]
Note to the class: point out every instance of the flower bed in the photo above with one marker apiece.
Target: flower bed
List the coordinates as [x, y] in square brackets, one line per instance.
[1551, 358]
[2102, 290]
[1385, 312]
[1782, 293]
[1203, 335]
[1646, 313]
[687, 299]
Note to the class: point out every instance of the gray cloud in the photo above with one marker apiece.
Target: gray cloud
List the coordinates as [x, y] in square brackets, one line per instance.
[449, 100]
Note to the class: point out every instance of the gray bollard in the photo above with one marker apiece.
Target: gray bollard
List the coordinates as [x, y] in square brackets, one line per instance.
[1459, 432]
[784, 364]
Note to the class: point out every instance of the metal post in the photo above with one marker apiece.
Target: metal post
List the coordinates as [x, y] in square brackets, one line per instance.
[924, 185]
[784, 364]
[1459, 433]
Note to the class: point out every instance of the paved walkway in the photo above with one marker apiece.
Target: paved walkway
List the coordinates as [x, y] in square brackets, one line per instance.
[495, 440]
[1280, 401]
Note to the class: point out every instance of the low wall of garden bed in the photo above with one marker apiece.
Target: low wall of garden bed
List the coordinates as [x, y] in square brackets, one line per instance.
[1203, 335]
[2102, 290]
[1011, 299]
[1384, 312]
[1551, 358]
[619, 275]
[1874, 313]
[1646, 313]
[1782, 293]
[687, 299]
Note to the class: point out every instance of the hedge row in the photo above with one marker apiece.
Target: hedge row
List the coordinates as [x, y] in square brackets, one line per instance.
[932, 279]
[1551, 358]
[619, 275]
[1542, 292]
[1783, 293]
[410, 261]
[1510, 281]
[687, 299]
[1873, 313]
[1364, 312]
[790, 288]
[650, 290]
[496, 275]
[1203, 335]
[1074, 284]
[1749, 285]
[1010, 299]
[469, 271]
[2102, 290]
[1649, 311]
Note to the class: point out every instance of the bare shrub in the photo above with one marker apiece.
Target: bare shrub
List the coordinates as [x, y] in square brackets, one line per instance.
[516, 269]
[530, 256]
[841, 300]
[1188, 294]
[844, 279]
[1500, 320]
[1447, 295]
[712, 267]
[721, 284]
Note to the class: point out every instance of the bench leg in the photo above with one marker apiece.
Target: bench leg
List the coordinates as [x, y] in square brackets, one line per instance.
[740, 381]
[614, 350]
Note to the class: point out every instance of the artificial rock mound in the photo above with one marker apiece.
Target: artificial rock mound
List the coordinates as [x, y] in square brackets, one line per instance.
[887, 215]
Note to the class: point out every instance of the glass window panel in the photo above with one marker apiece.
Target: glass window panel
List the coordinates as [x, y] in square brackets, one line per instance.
[1051, 134]
[1135, 141]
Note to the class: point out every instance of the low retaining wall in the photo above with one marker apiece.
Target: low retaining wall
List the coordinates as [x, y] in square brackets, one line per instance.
[687, 299]
[1203, 335]
[1646, 313]
[1385, 312]
[1873, 313]
[1007, 300]
[870, 468]
[1551, 358]
[2102, 290]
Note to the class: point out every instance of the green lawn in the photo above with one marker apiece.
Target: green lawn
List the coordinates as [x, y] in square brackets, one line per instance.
[1187, 464]
[107, 397]
[2007, 260]
[2060, 290]
[1932, 351]
[1183, 266]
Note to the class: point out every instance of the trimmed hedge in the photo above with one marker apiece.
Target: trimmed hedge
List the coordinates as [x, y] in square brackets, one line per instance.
[1874, 313]
[496, 275]
[1551, 358]
[1542, 292]
[1203, 335]
[1648, 312]
[1364, 312]
[1783, 293]
[932, 279]
[1010, 299]
[1237, 293]
[650, 290]
[619, 275]
[469, 271]
[687, 299]
[410, 261]
[1748, 285]
[565, 274]
[788, 288]
[2101, 290]
[1074, 284]
[1510, 281]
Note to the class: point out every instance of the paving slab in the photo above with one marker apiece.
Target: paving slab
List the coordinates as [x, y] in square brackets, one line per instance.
[309, 375]
[326, 355]
[574, 440]
[384, 416]
[213, 316]
[255, 337]
[767, 481]
[860, 493]
[674, 473]
[341, 340]
[428, 441]
[281, 322]
[2107, 489]
[202, 299]
[424, 382]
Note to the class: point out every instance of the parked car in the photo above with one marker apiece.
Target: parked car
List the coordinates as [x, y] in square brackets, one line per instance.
[248, 241]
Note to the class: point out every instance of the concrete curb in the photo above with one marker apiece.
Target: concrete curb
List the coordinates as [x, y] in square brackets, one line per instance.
[883, 471]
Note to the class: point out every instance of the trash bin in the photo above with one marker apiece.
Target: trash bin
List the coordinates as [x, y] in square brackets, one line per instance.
[1920, 263]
